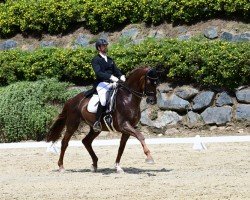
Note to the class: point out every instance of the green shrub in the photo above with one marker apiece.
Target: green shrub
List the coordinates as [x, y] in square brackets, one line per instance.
[212, 63]
[27, 108]
[64, 64]
[56, 16]
[204, 62]
[38, 16]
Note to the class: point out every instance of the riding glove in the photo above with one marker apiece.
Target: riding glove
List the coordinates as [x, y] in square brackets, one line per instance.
[114, 84]
[113, 78]
[123, 78]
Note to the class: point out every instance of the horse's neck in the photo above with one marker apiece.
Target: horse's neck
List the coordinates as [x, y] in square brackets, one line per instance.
[134, 83]
[132, 94]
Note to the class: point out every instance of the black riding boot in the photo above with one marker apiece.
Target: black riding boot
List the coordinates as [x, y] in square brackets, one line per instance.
[97, 125]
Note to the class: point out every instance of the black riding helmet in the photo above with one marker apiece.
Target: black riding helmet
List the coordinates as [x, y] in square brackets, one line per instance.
[100, 42]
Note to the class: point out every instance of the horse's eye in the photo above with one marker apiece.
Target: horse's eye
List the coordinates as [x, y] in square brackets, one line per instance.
[153, 82]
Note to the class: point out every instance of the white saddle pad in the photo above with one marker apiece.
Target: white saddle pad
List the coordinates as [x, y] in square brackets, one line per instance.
[93, 104]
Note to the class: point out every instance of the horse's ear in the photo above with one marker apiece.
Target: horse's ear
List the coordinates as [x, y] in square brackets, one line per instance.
[160, 68]
[152, 73]
[161, 72]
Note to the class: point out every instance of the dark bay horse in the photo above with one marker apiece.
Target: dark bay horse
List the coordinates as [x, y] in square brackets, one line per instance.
[140, 82]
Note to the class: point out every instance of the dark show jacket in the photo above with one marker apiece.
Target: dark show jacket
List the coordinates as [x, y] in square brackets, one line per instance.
[104, 70]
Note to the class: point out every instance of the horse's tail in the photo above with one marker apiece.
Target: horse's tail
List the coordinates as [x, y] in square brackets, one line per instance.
[55, 130]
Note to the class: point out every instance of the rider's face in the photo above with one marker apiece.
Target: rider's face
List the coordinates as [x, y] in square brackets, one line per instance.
[103, 48]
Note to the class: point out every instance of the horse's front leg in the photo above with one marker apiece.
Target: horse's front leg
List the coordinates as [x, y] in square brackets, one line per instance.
[123, 142]
[127, 128]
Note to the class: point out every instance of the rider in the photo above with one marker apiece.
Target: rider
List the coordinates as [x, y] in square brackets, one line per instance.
[106, 73]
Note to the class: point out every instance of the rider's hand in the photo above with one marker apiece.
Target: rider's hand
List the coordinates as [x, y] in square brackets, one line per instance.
[114, 84]
[113, 78]
[123, 78]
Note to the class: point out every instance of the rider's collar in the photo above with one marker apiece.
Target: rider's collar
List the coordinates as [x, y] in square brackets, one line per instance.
[104, 56]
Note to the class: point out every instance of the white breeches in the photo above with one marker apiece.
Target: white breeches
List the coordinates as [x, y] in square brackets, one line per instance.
[102, 89]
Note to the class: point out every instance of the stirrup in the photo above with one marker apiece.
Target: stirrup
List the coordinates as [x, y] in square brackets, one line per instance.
[97, 127]
[108, 120]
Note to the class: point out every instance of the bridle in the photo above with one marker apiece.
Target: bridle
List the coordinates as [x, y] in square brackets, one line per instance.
[137, 94]
[145, 91]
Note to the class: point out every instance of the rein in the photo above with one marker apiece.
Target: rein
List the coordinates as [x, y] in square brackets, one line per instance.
[138, 94]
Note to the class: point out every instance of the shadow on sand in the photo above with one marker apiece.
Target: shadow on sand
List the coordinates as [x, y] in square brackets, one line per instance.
[129, 170]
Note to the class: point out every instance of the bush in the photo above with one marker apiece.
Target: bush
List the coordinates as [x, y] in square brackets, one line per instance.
[27, 108]
[38, 16]
[63, 64]
[204, 62]
[56, 16]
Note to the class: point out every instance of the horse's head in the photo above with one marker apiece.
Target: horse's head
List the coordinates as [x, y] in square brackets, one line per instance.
[143, 82]
[151, 81]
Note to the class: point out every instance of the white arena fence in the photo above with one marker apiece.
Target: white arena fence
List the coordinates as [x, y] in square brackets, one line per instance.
[115, 142]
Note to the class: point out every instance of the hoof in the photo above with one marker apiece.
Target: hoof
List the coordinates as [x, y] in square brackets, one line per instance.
[119, 170]
[150, 161]
[93, 168]
[61, 169]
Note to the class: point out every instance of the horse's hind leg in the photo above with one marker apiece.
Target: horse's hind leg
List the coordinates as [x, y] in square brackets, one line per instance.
[123, 142]
[87, 142]
[71, 127]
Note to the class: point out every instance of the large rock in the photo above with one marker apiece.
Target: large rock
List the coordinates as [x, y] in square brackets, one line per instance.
[203, 100]
[211, 32]
[104, 35]
[224, 99]
[243, 112]
[217, 115]
[243, 95]
[172, 102]
[186, 92]
[47, 44]
[184, 37]
[8, 44]
[130, 33]
[243, 37]
[162, 118]
[227, 36]
[82, 40]
[193, 117]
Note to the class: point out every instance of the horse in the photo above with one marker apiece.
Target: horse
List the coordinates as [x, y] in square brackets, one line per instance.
[140, 82]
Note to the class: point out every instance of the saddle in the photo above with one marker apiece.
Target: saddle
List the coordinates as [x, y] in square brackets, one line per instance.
[110, 106]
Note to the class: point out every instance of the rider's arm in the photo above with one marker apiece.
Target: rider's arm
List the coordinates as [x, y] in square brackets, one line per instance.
[117, 72]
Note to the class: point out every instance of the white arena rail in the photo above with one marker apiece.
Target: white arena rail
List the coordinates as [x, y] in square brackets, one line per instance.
[112, 142]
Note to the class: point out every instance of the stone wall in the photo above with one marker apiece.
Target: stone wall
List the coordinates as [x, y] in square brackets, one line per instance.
[192, 107]
[213, 29]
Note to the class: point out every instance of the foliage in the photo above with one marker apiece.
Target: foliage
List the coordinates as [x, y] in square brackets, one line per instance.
[204, 62]
[38, 16]
[56, 16]
[27, 108]
[64, 64]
